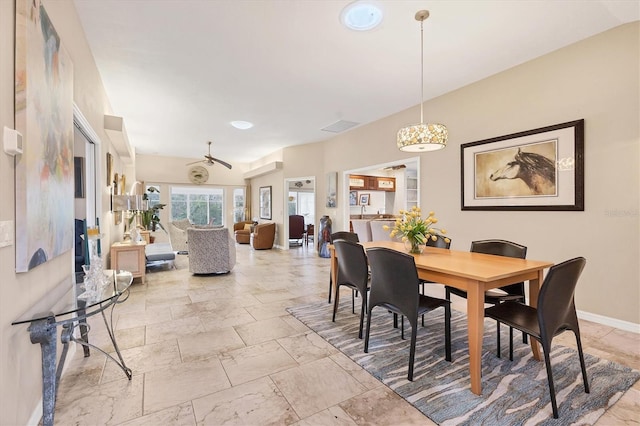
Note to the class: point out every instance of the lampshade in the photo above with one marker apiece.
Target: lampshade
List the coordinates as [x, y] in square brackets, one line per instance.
[138, 203]
[422, 137]
[121, 203]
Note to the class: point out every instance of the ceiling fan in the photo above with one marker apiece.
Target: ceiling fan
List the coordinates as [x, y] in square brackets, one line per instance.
[209, 160]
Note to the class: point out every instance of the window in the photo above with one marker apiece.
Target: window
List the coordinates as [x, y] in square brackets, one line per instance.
[239, 207]
[202, 206]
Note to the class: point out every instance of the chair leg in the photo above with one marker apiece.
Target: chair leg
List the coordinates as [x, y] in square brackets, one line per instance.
[510, 343]
[552, 391]
[330, 285]
[402, 327]
[498, 338]
[525, 338]
[335, 305]
[447, 332]
[412, 351]
[353, 302]
[366, 334]
[395, 320]
[582, 365]
[362, 311]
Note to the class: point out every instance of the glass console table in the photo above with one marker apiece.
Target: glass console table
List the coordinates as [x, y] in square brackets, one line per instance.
[43, 330]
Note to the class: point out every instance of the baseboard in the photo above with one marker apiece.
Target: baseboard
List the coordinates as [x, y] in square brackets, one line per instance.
[611, 322]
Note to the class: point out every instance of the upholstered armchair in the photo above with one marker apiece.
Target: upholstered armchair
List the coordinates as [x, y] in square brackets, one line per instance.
[242, 231]
[263, 235]
[296, 227]
[211, 250]
[178, 234]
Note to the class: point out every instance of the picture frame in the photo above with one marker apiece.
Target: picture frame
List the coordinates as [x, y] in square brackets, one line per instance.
[109, 169]
[539, 169]
[332, 187]
[353, 198]
[265, 202]
[364, 199]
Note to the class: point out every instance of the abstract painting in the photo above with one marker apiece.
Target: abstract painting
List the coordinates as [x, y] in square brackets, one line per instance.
[44, 116]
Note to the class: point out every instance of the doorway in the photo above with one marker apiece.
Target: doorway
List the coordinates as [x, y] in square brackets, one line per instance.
[300, 200]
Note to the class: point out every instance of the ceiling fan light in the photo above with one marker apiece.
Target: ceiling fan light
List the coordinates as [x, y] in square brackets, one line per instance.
[422, 137]
[242, 125]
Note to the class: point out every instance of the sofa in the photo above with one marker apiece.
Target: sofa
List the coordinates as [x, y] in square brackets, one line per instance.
[178, 235]
[263, 235]
[211, 250]
[242, 231]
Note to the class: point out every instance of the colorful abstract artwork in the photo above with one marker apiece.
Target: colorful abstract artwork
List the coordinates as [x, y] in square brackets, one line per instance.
[44, 116]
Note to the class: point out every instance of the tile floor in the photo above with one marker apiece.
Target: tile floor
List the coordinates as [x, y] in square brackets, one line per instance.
[212, 350]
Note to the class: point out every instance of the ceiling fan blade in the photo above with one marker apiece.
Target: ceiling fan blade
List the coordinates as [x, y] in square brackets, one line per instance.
[224, 163]
[199, 161]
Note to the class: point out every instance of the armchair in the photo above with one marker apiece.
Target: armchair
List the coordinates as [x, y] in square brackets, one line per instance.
[178, 235]
[242, 234]
[211, 250]
[296, 227]
[263, 235]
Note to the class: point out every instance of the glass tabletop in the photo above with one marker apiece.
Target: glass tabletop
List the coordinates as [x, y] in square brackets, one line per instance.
[118, 281]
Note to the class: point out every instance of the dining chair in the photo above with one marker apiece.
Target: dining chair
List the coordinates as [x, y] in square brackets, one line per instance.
[341, 235]
[353, 272]
[512, 292]
[440, 242]
[555, 314]
[394, 286]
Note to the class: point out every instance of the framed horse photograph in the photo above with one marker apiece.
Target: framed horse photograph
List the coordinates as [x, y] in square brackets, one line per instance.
[540, 169]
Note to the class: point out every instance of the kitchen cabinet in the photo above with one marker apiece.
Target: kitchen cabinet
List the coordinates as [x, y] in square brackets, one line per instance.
[372, 183]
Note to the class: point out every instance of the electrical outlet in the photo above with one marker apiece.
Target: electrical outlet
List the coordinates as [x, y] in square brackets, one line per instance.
[6, 233]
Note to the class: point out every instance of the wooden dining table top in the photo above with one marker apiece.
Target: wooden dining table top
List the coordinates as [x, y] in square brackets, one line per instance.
[475, 266]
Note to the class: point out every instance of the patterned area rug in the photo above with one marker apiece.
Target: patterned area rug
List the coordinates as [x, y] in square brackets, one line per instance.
[513, 392]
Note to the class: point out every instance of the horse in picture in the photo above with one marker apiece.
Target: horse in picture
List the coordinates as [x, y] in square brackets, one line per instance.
[537, 171]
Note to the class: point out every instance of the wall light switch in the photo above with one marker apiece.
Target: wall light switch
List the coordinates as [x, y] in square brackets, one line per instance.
[6, 233]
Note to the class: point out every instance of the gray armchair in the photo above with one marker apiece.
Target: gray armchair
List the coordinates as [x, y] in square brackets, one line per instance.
[211, 250]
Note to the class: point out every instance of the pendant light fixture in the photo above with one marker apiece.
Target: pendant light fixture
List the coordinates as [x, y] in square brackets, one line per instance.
[422, 137]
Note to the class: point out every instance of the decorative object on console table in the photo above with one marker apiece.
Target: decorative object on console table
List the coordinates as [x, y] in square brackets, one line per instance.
[265, 202]
[540, 169]
[415, 230]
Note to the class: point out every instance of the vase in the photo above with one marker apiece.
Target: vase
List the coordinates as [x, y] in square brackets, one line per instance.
[413, 246]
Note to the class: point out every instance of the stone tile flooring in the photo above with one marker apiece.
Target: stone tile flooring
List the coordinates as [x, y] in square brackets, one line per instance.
[213, 350]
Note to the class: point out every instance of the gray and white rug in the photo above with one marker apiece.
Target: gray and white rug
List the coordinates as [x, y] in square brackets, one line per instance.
[513, 392]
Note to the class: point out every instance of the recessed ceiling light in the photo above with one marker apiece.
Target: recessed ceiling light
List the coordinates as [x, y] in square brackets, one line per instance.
[242, 125]
[361, 15]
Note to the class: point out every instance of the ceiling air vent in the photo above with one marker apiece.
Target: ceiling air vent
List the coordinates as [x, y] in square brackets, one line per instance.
[339, 126]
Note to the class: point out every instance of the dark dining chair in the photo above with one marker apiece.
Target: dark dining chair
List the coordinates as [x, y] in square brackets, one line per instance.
[394, 286]
[556, 313]
[512, 292]
[341, 235]
[353, 272]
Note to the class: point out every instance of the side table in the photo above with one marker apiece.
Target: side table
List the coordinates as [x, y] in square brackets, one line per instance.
[130, 257]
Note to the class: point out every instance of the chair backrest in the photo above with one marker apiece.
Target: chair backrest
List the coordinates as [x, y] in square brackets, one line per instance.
[394, 280]
[556, 307]
[296, 226]
[439, 242]
[352, 265]
[210, 250]
[503, 248]
[363, 229]
[378, 233]
[345, 235]
[241, 225]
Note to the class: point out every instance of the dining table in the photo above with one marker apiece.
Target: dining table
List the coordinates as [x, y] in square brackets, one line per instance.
[474, 273]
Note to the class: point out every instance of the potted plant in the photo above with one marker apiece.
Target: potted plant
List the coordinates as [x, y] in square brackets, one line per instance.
[151, 217]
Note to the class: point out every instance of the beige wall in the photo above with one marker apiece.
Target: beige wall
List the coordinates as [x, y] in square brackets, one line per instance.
[20, 375]
[596, 79]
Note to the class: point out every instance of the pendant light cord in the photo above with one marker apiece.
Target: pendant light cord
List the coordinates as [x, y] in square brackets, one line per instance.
[421, 72]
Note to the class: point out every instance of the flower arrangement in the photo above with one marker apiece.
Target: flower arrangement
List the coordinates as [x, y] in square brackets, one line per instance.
[415, 230]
